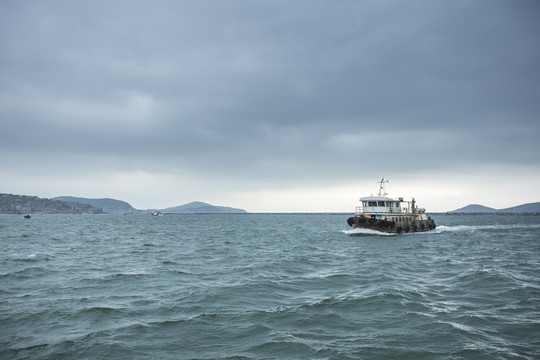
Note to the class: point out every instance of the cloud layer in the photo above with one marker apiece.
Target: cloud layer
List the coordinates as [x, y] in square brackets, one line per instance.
[258, 93]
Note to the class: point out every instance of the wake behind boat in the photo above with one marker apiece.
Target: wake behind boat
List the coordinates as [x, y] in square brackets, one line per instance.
[385, 214]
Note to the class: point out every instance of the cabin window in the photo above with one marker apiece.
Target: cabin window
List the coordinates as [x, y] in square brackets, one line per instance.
[381, 203]
[364, 203]
[397, 205]
[372, 203]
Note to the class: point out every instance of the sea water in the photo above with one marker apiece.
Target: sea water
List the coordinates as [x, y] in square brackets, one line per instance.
[262, 286]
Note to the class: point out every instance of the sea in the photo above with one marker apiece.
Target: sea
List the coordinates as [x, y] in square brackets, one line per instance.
[267, 286]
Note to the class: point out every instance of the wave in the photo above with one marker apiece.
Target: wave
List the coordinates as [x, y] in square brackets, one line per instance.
[446, 228]
[471, 228]
[360, 232]
[35, 257]
[102, 312]
[283, 348]
[28, 272]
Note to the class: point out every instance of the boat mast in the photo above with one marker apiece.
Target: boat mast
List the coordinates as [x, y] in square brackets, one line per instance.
[382, 191]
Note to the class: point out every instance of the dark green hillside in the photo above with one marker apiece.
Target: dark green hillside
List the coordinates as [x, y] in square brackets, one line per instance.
[22, 204]
[110, 206]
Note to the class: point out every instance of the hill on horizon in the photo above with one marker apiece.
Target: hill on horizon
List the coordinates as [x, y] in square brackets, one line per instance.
[530, 208]
[525, 208]
[475, 208]
[198, 207]
[24, 204]
[110, 206]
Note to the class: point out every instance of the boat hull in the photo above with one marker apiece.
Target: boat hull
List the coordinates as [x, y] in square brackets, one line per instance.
[391, 226]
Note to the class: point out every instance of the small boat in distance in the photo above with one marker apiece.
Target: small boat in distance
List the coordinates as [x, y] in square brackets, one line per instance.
[384, 214]
[156, 213]
[27, 216]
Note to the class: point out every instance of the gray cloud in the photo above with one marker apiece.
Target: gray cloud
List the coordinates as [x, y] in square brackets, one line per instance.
[287, 90]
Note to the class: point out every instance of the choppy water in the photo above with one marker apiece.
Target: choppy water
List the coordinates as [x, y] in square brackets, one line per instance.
[267, 287]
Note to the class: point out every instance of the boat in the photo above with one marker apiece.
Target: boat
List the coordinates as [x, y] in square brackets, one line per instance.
[27, 216]
[156, 213]
[384, 214]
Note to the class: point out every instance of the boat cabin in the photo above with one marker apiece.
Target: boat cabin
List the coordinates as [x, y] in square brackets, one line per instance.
[383, 207]
[380, 205]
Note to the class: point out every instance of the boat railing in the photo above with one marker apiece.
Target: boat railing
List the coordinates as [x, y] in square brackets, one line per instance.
[404, 210]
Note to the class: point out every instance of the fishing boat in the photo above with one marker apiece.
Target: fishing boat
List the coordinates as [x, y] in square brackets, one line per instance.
[156, 213]
[388, 215]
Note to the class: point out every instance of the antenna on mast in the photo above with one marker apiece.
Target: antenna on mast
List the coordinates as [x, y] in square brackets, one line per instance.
[382, 191]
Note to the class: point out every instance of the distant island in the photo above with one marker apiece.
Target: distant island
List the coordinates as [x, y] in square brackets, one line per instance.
[109, 206]
[530, 208]
[23, 204]
[198, 207]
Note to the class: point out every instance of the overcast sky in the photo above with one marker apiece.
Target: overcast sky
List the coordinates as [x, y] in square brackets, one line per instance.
[271, 105]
